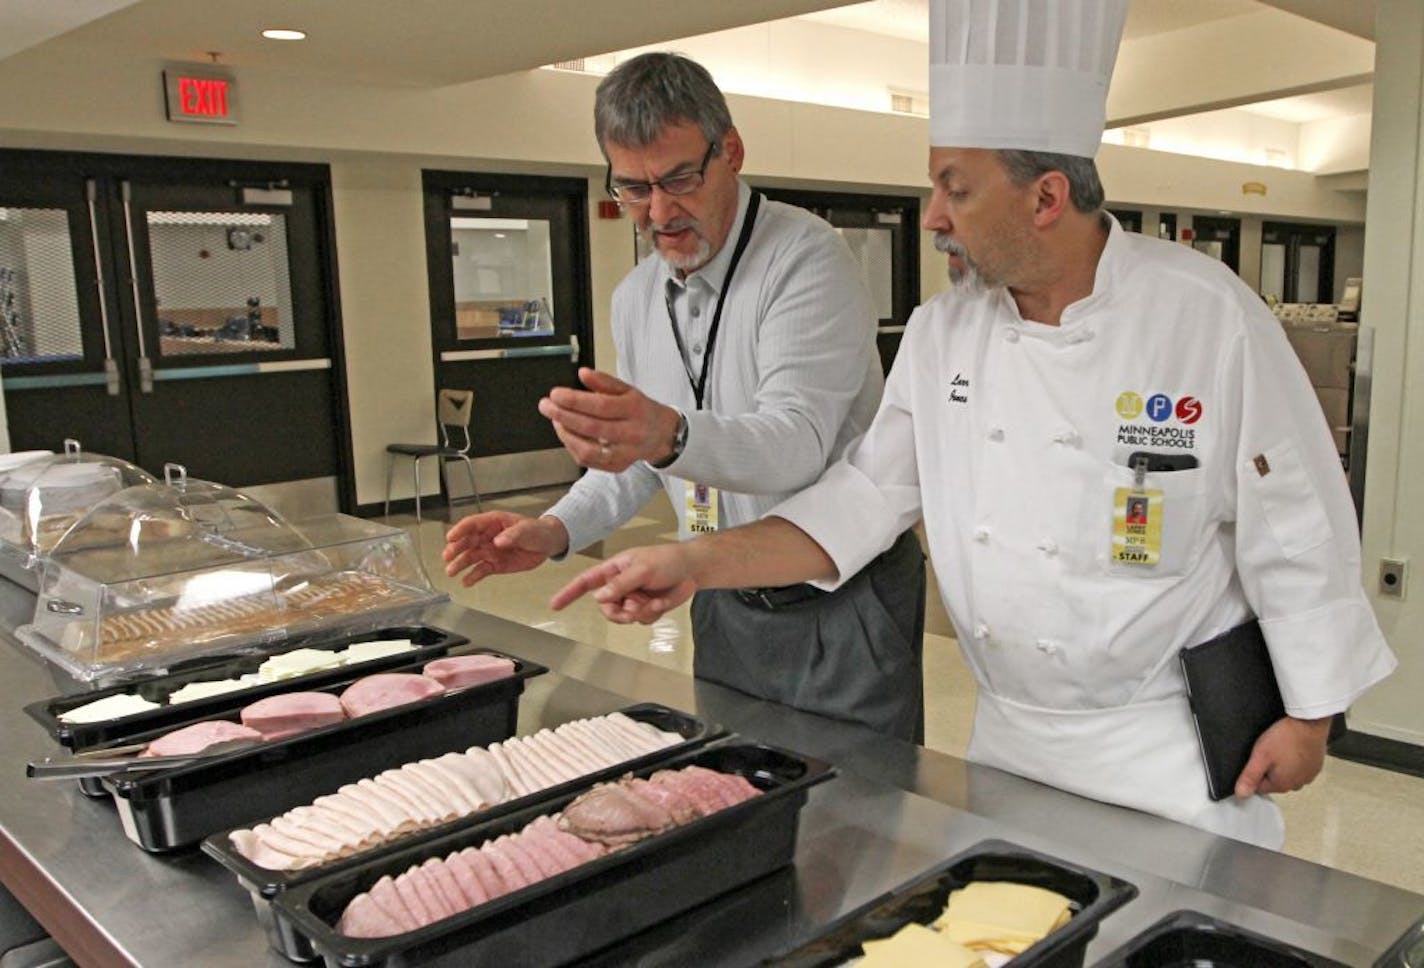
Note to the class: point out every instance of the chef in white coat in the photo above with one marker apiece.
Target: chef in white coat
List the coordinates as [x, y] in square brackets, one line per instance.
[1115, 452]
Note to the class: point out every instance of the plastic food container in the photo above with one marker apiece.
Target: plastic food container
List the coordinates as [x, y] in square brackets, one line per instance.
[430, 643]
[264, 884]
[42, 494]
[1190, 939]
[160, 573]
[1092, 896]
[593, 905]
[164, 809]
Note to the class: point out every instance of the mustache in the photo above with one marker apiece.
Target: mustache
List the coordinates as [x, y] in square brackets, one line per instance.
[675, 225]
[943, 243]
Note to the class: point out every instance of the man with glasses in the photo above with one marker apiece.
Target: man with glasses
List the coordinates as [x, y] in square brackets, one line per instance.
[747, 358]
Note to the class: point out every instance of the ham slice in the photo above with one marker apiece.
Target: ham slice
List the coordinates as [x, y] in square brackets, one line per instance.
[386, 690]
[462, 671]
[290, 713]
[613, 814]
[199, 736]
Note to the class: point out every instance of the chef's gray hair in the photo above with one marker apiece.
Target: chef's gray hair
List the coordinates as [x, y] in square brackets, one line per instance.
[644, 95]
[1084, 185]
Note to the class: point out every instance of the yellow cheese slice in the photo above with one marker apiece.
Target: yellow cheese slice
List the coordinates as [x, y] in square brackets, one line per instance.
[1002, 915]
[915, 945]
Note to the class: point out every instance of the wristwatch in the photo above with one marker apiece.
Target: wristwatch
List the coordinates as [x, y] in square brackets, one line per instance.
[679, 441]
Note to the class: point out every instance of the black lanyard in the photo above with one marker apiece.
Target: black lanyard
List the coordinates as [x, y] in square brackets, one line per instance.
[699, 386]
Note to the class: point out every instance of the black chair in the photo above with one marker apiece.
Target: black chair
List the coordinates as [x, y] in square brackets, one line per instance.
[453, 409]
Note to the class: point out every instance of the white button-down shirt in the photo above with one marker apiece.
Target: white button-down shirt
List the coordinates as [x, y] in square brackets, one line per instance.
[795, 374]
[1012, 438]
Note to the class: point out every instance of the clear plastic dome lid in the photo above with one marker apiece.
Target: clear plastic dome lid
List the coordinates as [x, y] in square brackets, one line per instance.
[180, 524]
[40, 499]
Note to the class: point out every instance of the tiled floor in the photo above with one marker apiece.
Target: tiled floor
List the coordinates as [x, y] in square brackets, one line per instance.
[1356, 818]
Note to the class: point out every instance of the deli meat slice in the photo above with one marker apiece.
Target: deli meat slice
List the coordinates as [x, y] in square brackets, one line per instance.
[547, 846]
[614, 814]
[386, 690]
[290, 713]
[460, 671]
[199, 736]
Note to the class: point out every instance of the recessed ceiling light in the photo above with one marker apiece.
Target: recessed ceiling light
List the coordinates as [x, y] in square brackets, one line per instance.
[284, 34]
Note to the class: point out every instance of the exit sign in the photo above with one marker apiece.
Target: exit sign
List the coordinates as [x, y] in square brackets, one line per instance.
[199, 93]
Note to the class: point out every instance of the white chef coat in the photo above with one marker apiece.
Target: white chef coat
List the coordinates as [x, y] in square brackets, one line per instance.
[1011, 438]
[794, 378]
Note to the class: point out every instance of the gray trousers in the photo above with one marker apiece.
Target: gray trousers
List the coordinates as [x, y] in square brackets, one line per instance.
[853, 654]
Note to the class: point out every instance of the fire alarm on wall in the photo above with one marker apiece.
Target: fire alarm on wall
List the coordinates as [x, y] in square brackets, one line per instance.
[1186, 235]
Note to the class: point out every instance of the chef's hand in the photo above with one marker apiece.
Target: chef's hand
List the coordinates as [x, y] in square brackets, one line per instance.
[500, 542]
[1286, 757]
[635, 586]
[612, 424]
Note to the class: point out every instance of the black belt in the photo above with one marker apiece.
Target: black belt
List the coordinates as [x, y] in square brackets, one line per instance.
[773, 598]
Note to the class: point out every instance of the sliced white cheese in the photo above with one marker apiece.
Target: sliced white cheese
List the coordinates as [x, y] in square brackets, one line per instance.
[202, 690]
[110, 707]
[366, 651]
[297, 662]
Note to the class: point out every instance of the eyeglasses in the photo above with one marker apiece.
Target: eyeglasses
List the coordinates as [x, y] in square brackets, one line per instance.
[682, 183]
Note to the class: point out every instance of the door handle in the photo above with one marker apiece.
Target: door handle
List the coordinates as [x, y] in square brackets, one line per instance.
[145, 365]
[111, 368]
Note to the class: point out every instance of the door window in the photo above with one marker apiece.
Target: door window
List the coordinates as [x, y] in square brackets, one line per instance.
[39, 308]
[1298, 262]
[504, 278]
[221, 282]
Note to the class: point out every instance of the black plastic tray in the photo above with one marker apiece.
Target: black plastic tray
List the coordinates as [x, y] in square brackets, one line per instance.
[1092, 895]
[164, 809]
[264, 884]
[1190, 939]
[431, 643]
[1408, 951]
[590, 906]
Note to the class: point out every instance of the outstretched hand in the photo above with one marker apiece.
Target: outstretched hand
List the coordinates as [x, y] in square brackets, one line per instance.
[610, 425]
[1286, 757]
[640, 585]
[500, 542]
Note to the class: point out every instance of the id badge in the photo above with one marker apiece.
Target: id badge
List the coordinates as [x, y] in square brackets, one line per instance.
[1137, 526]
[701, 516]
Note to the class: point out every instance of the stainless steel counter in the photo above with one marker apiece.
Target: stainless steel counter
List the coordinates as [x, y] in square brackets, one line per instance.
[895, 811]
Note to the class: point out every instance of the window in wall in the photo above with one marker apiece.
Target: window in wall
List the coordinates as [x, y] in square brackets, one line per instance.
[1298, 262]
[1167, 226]
[504, 283]
[221, 282]
[39, 309]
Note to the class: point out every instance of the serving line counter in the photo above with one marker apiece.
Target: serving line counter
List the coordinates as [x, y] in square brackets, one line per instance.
[894, 812]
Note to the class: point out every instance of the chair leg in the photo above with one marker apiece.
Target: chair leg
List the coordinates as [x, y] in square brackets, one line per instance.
[390, 469]
[470, 473]
[417, 490]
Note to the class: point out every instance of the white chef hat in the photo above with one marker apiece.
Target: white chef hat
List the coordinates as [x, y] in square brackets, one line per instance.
[1026, 74]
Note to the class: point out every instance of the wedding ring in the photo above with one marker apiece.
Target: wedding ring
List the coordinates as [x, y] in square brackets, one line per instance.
[605, 453]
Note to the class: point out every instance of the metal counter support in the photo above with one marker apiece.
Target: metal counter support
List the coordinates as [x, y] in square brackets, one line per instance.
[861, 836]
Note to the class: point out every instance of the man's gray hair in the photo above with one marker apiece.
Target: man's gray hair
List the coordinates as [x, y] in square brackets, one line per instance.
[644, 95]
[1084, 185]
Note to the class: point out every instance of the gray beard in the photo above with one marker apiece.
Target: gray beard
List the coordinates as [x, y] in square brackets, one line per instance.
[966, 278]
[679, 263]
